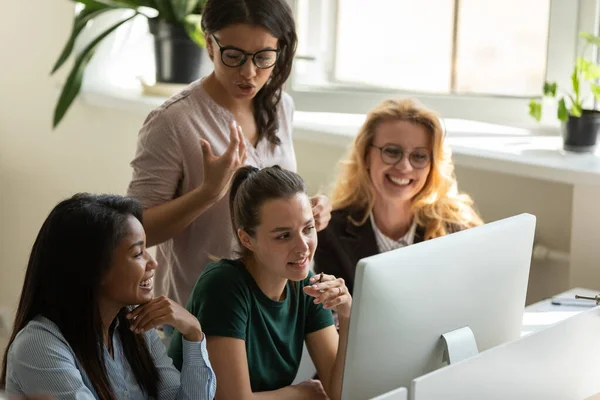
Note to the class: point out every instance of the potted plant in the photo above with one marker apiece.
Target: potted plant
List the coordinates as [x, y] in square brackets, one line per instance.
[580, 125]
[178, 41]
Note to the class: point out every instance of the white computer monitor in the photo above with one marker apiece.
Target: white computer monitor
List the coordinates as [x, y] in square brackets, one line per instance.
[405, 300]
[559, 362]
[397, 394]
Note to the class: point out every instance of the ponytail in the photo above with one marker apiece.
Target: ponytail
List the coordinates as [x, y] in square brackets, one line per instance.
[240, 176]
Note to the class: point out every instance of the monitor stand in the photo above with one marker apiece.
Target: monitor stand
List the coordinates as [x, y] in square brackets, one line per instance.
[459, 345]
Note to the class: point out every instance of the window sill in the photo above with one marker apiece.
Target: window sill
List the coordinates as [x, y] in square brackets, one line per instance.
[477, 145]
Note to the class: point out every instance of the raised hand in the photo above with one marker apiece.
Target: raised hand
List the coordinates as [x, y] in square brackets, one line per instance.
[219, 170]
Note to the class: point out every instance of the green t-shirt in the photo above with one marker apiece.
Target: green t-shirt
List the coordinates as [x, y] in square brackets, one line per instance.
[228, 302]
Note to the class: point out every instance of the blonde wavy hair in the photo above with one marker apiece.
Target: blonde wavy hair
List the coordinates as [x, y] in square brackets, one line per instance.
[438, 207]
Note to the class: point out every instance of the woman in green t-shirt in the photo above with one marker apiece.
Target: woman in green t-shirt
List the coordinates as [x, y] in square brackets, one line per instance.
[257, 311]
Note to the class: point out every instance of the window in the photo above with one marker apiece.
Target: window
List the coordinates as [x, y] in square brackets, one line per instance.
[124, 58]
[472, 59]
[465, 46]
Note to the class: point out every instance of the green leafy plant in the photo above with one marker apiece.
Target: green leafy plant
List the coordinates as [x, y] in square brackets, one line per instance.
[571, 102]
[185, 13]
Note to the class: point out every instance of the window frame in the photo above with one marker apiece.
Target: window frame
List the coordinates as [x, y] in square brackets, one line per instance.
[567, 19]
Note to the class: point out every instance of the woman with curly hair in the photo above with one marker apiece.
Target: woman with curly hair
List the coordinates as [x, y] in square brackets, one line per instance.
[396, 188]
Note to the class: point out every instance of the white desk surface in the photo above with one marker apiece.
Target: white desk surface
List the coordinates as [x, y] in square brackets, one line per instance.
[559, 362]
[543, 313]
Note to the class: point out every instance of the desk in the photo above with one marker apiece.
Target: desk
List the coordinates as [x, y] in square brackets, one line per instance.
[543, 313]
[556, 363]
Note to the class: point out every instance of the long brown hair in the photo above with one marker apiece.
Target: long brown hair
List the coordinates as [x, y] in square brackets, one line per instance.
[439, 205]
[276, 17]
[70, 256]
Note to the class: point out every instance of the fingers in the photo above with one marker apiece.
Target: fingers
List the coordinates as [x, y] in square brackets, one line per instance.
[144, 307]
[320, 203]
[329, 289]
[321, 221]
[139, 309]
[159, 318]
[141, 318]
[342, 296]
[332, 292]
[242, 153]
[145, 314]
[321, 209]
[233, 128]
[329, 295]
[315, 279]
[236, 153]
[317, 204]
[234, 140]
[206, 150]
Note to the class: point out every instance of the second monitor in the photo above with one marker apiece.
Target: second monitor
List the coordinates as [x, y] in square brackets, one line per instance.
[469, 284]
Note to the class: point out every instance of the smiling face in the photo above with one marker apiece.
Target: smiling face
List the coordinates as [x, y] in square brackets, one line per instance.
[129, 280]
[245, 81]
[400, 183]
[285, 240]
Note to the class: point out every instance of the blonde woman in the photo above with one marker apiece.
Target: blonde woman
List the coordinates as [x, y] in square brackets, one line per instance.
[395, 188]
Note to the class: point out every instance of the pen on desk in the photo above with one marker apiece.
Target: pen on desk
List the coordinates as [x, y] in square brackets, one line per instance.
[578, 301]
[595, 298]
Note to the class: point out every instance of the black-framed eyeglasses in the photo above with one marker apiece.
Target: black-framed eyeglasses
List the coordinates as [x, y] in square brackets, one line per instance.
[391, 154]
[234, 57]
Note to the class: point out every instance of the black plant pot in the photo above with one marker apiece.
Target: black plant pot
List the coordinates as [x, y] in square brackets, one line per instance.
[177, 57]
[580, 133]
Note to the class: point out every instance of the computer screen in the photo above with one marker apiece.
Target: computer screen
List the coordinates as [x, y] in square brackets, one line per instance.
[405, 300]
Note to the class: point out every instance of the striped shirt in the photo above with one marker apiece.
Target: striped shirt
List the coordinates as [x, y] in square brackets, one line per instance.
[385, 243]
[41, 361]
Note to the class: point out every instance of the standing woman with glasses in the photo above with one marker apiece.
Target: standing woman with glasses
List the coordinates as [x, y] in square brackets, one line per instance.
[396, 188]
[189, 147]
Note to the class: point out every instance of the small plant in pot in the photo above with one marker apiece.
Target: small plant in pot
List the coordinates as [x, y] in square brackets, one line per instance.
[178, 41]
[580, 125]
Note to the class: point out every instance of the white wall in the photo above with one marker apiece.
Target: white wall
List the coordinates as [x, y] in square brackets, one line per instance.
[92, 148]
[38, 167]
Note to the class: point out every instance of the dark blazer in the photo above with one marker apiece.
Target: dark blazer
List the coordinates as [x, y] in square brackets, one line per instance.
[342, 244]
